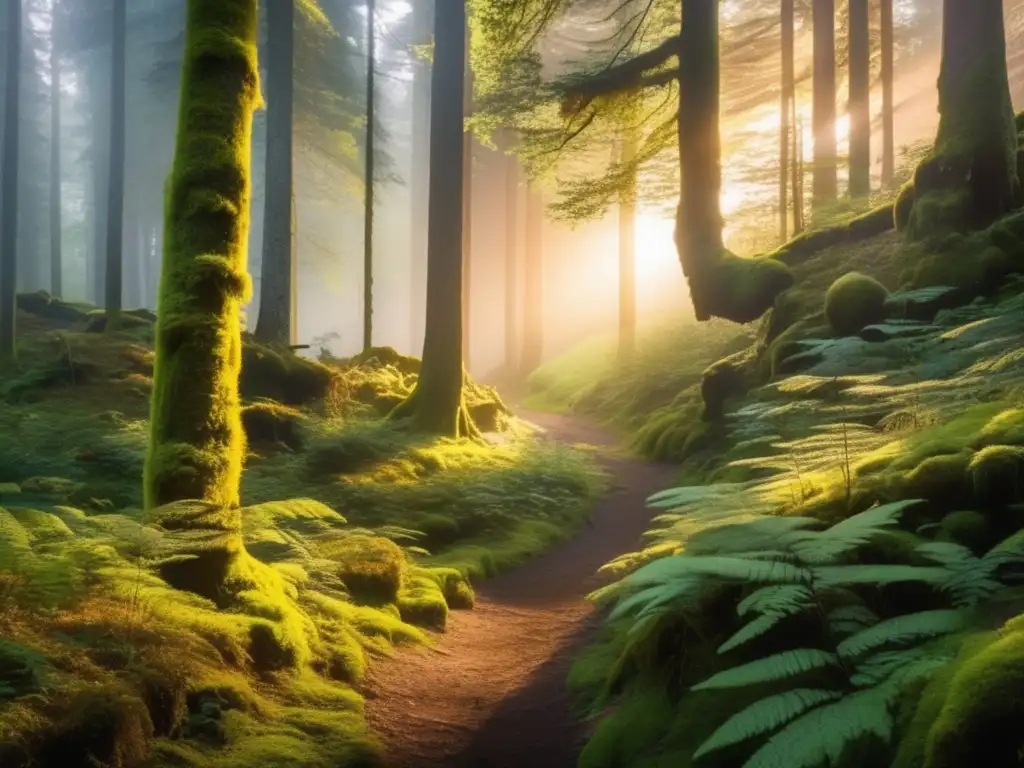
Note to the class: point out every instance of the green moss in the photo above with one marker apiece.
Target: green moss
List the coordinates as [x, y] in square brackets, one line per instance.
[968, 527]
[371, 568]
[853, 302]
[1004, 428]
[998, 475]
[982, 710]
[944, 478]
[904, 207]
[22, 670]
[281, 375]
[742, 290]
[197, 443]
[270, 423]
[420, 601]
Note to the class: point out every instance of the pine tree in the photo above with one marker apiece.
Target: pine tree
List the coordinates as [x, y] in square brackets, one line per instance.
[9, 212]
[56, 257]
[860, 99]
[116, 156]
[888, 108]
[368, 174]
[825, 186]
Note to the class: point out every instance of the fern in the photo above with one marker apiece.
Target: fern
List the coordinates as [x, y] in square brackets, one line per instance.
[902, 629]
[831, 544]
[764, 716]
[776, 667]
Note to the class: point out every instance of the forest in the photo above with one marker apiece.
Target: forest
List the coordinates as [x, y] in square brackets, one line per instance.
[552, 383]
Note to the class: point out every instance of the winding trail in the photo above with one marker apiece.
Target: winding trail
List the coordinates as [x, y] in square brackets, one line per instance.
[491, 693]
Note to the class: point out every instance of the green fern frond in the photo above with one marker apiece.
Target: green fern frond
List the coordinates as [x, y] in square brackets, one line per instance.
[730, 568]
[777, 597]
[846, 575]
[659, 594]
[753, 629]
[879, 667]
[770, 533]
[820, 736]
[901, 630]
[828, 545]
[848, 619]
[776, 667]
[764, 716]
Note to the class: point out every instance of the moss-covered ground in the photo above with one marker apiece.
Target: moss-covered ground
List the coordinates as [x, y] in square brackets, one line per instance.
[920, 400]
[359, 537]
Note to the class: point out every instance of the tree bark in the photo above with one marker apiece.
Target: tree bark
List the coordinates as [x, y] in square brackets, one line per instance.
[511, 263]
[860, 99]
[970, 178]
[436, 404]
[9, 215]
[825, 184]
[422, 15]
[533, 284]
[788, 24]
[627, 254]
[273, 325]
[56, 231]
[115, 187]
[467, 209]
[888, 105]
[368, 180]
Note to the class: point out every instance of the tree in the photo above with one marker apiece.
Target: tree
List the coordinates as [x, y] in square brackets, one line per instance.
[788, 25]
[56, 257]
[533, 284]
[860, 99]
[9, 215]
[825, 186]
[274, 323]
[467, 207]
[511, 259]
[116, 155]
[436, 404]
[970, 177]
[627, 255]
[196, 442]
[888, 107]
[371, 63]
[420, 23]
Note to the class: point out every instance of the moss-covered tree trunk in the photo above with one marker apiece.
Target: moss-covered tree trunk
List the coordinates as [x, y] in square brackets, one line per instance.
[511, 261]
[56, 234]
[114, 268]
[273, 324]
[721, 285]
[9, 212]
[533, 284]
[787, 23]
[970, 178]
[860, 99]
[421, 17]
[196, 440]
[825, 186]
[436, 404]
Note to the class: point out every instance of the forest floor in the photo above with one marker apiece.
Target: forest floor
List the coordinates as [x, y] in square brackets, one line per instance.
[492, 692]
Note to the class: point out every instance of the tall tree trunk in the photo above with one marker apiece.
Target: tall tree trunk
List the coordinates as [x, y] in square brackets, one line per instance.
[100, 146]
[533, 284]
[970, 178]
[9, 215]
[436, 405]
[115, 200]
[888, 106]
[860, 99]
[721, 284]
[467, 209]
[197, 445]
[788, 24]
[56, 232]
[825, 185]
[273, 325]
[511, 262]
[627, 253]
[798, 172]
[368, 181]
[422, 21]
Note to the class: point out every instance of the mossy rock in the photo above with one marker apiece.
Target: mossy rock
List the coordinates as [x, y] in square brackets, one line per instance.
[727, 379]
[998, 475]
[381, 356]
[854, 301]
[59, 487]
[943, 479]
[22, 670]
[268, 651]
[270, 423]
[96, 726]
[372, 568]
[42, 304]
[130, 319]
[904, 207]
[979, 722]
[742, 290]
[281, 375]
[968, 527]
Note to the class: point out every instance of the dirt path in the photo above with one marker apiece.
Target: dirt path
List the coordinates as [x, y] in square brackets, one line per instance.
[492, 693]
